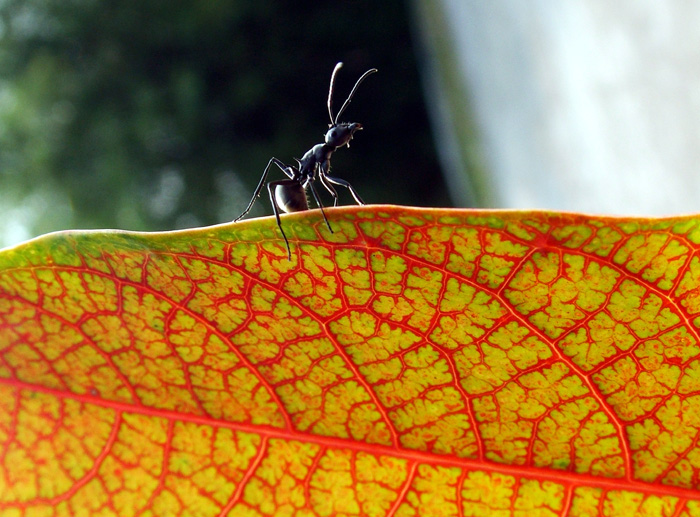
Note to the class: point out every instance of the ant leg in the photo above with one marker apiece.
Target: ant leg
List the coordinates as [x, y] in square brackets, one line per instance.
[318, 202]
[323, 175]
[256, 194]
[343, 183]
[271, 189]
[329, 188]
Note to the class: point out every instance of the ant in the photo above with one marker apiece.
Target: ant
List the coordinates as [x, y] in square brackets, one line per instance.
[289, 195]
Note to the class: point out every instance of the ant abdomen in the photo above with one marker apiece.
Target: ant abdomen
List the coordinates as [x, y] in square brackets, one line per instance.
[291, 197]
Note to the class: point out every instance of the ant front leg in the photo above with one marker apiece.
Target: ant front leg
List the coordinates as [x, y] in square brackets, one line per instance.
[343, 183]
[258, 189]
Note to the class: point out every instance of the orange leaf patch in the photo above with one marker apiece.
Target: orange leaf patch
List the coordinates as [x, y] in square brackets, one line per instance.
[413, 362]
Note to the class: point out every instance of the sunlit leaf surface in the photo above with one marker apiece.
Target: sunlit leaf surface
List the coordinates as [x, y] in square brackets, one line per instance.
[414, 362]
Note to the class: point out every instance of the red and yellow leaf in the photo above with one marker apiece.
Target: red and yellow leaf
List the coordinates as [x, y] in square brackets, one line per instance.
[413, 362]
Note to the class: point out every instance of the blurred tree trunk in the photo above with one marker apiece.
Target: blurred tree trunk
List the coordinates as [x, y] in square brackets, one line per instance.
[587, 106]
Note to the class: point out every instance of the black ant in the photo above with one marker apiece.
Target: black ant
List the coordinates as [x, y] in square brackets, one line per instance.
[290, 194]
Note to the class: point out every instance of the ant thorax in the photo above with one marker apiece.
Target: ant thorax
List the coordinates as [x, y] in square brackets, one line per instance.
[317, 157]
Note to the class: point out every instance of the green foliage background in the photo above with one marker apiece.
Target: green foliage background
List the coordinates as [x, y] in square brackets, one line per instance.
[162, 114]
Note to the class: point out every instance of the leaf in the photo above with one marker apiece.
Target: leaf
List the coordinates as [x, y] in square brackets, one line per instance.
[413, 362]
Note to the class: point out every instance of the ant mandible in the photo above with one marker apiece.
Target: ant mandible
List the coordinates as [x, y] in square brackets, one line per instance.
[290, 194]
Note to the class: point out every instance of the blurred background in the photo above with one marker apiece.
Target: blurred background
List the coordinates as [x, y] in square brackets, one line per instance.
[162, 114]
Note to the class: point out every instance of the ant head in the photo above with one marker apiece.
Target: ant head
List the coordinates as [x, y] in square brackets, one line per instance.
[334, 120]
[340, 134]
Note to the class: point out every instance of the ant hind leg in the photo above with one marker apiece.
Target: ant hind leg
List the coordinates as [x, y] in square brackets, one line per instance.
[258, 189]
[271, 189]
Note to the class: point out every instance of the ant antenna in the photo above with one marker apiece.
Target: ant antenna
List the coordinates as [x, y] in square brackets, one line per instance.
[334, 121]
[338, 66]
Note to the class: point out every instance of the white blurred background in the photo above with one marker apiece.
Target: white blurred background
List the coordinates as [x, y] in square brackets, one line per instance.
[590, 106]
